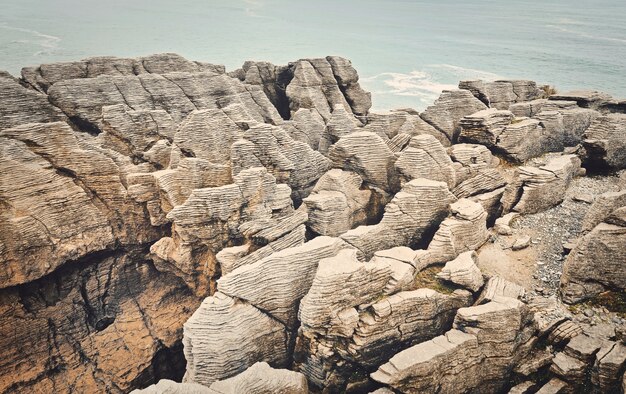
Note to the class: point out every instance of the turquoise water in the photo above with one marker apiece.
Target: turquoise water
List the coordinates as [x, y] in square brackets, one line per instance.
[405, 51]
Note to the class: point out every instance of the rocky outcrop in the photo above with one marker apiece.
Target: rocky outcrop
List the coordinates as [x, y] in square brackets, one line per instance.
[502, 94]
[414, 211]
[21, 105]
[463, 271]
[605, 143]
[534, 189]
[449, 108]
[284, 283]
[259, 378]
[350, 323]
[109, 317]
[425, 158]
[44, 76]
[465, 230]
[225, 336]
[366, 154]
[475, 355]
[342, 244]
[338, 203]
[596, 263]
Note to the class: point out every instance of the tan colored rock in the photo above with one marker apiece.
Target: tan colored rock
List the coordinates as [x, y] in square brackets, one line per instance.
[338, 203]
[225, 336]
[604, 141]
[260, 378]
[597, 261]
[275, 284]
[208, 220]
[502, 94]
[21, 105]
[425, 158]
[106, 320]
[465, 230]
[415, 210]
[366, 154]
[537, 189]
[475, 355]
[610, 362]
[463, 271]
[52, 164]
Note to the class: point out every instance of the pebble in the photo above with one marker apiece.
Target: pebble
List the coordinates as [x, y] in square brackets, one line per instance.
[588, 312]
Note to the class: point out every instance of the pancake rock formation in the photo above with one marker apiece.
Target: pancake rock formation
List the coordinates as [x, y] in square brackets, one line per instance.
[168, 226]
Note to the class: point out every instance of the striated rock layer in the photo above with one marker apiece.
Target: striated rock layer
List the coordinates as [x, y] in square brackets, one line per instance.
[170, 225]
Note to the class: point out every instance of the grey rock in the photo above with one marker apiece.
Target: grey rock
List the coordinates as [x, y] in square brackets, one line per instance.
[448, 110]
[502, 94]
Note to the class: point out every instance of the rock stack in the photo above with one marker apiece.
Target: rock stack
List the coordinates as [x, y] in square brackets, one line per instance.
[168, 226]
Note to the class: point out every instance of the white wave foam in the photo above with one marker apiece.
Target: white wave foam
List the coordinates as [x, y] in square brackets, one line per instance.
[48, 42]
[415, 83]
[461, 73]
[586, 35]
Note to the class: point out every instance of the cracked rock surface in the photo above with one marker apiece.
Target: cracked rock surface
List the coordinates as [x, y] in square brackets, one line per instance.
[168, 225]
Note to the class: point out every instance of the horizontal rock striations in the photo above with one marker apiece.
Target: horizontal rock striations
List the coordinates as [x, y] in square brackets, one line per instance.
[170, 225]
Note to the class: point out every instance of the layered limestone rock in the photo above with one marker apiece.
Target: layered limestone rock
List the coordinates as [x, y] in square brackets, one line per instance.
[346, 326]
[21, 105]
[425, 158]
[597, 261]
[275, 284]
[413, 212]
[604, 141]
[178, 93]
[475, 356]
[535, 189]
[320, 84]
[463, 272]
[53, 165]
[502, 94]
[448, 110]
[398, 126]
[211, 218]
[338, 203]
[366, 154]
[226, 335]
[465, 230]
[259, 378]
[109, 320]
[44, 76]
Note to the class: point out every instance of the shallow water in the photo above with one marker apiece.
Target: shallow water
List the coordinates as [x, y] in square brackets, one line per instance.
[406, 52]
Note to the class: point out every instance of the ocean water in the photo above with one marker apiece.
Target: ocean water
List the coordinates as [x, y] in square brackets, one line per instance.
[406, 51]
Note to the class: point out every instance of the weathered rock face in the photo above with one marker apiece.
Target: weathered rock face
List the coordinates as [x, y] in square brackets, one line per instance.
[225, 336]
[109, 321]
[535, 189]
[448, 110]
[131, 189]
[44, 76]
[114, 154]
[366, 154]
[605, 142]
[259, 378]
[597, 261]
[502, 94]
[338, 203]
[350, 322]
[414, 211]
[21, 105]
[465, 230]
[475, 355]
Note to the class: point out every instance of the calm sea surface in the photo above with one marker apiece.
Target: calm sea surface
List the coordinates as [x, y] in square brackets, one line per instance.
[406, 52]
